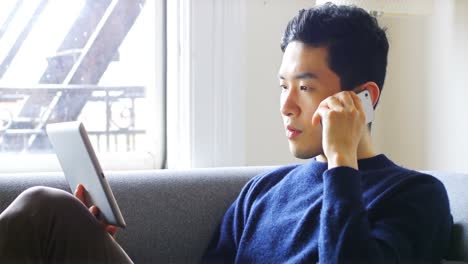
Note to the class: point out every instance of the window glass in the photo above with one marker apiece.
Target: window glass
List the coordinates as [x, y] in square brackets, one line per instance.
[86, 60]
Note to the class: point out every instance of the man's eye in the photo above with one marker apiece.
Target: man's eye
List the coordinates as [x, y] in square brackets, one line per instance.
[283, 87]
[305, 88]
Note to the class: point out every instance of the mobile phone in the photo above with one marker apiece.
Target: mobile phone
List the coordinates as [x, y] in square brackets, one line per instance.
[367, 104]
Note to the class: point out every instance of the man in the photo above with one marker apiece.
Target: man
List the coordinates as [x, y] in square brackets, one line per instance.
[349, 204]
[346, 205]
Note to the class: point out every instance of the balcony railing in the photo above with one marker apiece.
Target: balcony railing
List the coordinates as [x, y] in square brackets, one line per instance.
[21, 132]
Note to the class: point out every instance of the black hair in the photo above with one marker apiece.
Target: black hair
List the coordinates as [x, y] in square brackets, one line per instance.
[357, 46]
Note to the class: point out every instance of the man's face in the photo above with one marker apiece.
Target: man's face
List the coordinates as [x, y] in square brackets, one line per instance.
[305, 81]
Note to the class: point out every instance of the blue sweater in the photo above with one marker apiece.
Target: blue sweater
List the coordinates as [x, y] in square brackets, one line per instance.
[382, 213]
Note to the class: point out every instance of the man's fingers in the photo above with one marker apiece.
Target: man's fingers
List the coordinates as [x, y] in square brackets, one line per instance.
[357, 101]
[80, 193]
[319, 114]
[324, 107]
[94, 210]
[317, 118]
[112, 230]
[331, 102]
[348, 101]
[335, 103]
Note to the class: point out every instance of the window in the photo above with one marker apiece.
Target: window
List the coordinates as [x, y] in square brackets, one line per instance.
[100, 62]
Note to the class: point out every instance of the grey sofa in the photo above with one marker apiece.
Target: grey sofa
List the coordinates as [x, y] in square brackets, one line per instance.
[171, 214]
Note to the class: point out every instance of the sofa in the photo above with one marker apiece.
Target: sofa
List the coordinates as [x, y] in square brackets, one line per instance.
[172, 214]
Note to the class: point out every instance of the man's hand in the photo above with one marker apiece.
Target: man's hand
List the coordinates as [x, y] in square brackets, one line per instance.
[80, 194]
[343, 122]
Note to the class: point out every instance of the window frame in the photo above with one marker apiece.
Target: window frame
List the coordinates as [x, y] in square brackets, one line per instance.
[206, 101]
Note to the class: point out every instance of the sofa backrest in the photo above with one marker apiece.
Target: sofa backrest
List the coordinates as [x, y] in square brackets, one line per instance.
[457, 190]
[172, 214]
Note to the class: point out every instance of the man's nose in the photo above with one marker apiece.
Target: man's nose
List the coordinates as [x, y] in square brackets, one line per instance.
[289, 104]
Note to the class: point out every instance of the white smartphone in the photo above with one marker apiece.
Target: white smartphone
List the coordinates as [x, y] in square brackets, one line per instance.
[81, 166]
[367, 104]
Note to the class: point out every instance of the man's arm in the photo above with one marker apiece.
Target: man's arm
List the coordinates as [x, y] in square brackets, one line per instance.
[411, 222]
[346, 230]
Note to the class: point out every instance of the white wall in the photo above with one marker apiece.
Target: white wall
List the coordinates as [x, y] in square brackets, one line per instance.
[447, 121]
[266, 142]
[399, 128]
[422, 123]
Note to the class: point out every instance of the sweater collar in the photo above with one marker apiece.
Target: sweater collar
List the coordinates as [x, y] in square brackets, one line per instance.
[377, 162]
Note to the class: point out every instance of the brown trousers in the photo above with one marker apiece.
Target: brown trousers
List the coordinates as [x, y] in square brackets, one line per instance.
[46, 225]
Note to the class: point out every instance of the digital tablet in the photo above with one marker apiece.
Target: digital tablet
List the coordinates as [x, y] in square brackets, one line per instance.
[80, 166]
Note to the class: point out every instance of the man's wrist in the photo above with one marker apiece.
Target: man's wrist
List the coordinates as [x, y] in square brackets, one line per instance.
[340, 160]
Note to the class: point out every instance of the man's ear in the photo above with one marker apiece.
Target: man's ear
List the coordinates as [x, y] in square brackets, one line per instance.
[374, 91]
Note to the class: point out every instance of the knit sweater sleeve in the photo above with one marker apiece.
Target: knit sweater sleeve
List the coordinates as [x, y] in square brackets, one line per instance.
[400, 228]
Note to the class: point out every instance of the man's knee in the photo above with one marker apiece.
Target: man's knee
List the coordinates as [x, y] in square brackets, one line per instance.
[40, 199]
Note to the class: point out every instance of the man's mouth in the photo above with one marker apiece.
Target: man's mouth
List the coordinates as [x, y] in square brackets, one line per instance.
[292, 132]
